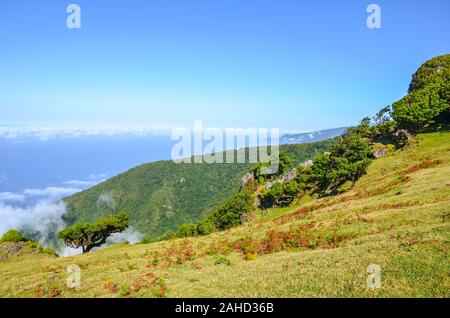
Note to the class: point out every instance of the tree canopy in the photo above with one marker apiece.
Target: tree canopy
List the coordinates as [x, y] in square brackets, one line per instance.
[428, 99]
[423, 107]
[90, 235]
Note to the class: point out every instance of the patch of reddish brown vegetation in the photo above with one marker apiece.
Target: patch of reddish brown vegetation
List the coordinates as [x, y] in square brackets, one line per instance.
[54, 292]
[391, 206]
[39, 291]
[111, 287]
[175, 254]
[362, 218]
[302, 212]
[194, 265]
[146, 280]
[402, 179]
[219, 247]
[53, 287]
[276, 241]
[423, 165]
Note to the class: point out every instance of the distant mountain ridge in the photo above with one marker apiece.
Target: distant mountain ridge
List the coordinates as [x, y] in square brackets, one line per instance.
[313, 136]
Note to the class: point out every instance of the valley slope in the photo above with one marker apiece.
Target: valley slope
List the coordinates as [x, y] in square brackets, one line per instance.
[397, 217]
[160, 196]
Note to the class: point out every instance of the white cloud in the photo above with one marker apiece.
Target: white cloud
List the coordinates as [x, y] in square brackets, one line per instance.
[42, 218]
[130, 235]
[82, 183]
[11, 197]
[51, 192]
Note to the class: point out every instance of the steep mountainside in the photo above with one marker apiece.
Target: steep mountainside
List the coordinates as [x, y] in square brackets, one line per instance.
[160, 196]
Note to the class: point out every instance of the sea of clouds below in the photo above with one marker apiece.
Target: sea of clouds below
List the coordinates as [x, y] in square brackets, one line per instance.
[40, 211]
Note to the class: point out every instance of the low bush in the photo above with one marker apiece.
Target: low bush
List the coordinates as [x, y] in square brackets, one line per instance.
[13, 236]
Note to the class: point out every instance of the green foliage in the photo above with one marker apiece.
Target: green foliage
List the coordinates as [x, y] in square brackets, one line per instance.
[206, 227]
[226, 216]
[229, 214]
[222, 260]
[160, 196]
[49, 251]
[423, 107]
[428, 99]
[274, 194]
[284, 162]
[347, 160]
[335, 170]
[124, 291]
[90, 235]
[384, 126]
[146, 240]
[33, 244]
[187, 230]
[378, 128]
[17, 237]
[13, 236]
[281, 194]
[432, 71]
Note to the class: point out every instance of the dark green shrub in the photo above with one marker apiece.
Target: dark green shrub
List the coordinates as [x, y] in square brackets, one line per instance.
[147, 240]
[274, 194]
[13, 236]
[206, 227]
[347, 160]
[222, 260]
[187, 230]
[49, 251]
[423, 107]
[284, 163]
[230, 213]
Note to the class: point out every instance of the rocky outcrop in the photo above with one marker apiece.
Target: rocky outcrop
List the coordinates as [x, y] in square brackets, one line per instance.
[403, 133]
[8, 249]
[380, 152]
[246, 178]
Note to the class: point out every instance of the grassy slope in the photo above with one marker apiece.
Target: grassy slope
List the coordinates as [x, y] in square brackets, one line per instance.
[162, 195]
[397, 216]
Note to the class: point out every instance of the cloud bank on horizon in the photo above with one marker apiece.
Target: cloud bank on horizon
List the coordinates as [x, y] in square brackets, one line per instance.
[49, 132]
[45, 133]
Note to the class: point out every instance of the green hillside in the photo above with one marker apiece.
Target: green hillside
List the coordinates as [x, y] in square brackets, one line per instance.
[378, 198]
[160, 196]
[396, 216]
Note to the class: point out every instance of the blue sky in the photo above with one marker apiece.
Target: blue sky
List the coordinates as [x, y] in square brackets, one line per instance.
[231, 63]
